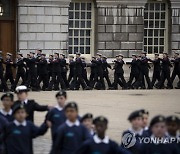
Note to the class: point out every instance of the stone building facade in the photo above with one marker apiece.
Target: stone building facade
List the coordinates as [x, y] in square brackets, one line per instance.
[110, 27]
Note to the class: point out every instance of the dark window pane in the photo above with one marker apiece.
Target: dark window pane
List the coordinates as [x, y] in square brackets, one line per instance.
[151, 16]
[70, 15]
[157, 6]
[151, 6]
[82, 50]
[88, 41]
[157, 15]
[162, 24]
[163, 6]
[77, 6]
[155, 32]
[146, 6]
[82, 15]
[71, 6]
[150, 50]
[76, 15]
[146, 24]
[88, 33]
[151, 24]
[82, 41]
[88, 24]
[156, 41]
[70, 50]
[146, 15]
[70, 32]
[76, 49]
[82, 33]
[76, 32]
[156, 24]
[150, 32]
[76, 24]
[145, 32]
[70, 41]
[163, 15]
[83, 6]
[76, 41]
[150, 41]
[82, 24]
[145, 48]
[161, 32]
[145, 41]
[88, 6]
[88, 15]
[161, 41]
[155, 49]
[71, 24]
[87, 50]
[161, 49]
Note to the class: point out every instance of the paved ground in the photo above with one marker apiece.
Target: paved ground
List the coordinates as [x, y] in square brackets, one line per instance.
[116, 105]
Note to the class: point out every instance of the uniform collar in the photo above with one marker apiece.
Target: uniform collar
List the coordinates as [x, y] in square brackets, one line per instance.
[140, 132]
[25, 101]
[70, 124]
[58, 107]
[98, 140]
[24, 123]
[6, 113]
[146, 128]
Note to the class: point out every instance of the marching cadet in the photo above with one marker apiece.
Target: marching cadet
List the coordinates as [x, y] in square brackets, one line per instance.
[72, 133]
[20, 65]
[18, 134]
[9, 72]
[26, 60]
[166, 64]
[38, 58]
[3, 82]
[100, 143]
[3, 123]
[84, 71]
[157, 69]
[50, 68]
[173, 126]
[43, 72]
[71, 68]
[7, 101]
[158, 129]
[134, 74]
[136, 121]
[87, 121]
[30, 105]
[93, 73]
[145, 70]
[63, 65]
[56, 116]
[176, 70]
[119, 73]
[105, 66]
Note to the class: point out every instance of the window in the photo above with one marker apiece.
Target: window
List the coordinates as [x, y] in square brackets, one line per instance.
[155, 27]
[80, 27]
[6, 9]
[1, 10]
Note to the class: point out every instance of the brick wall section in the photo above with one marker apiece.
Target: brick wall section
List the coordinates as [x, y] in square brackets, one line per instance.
[44, 27]
[120, 30]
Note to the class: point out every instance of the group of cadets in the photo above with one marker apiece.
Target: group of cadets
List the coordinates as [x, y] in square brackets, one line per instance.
[72, 134]
[53, 73]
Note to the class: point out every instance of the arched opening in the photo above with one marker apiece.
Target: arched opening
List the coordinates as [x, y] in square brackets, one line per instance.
[156, 26]
[81, 27]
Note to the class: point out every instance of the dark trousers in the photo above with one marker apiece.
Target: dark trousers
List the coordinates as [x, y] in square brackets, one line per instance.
[9, 76]
[78, 79]
[145, 73]
[131, 78]
[156, 77]
[174, 73]
[70, 77]
[106, 76]
[3, 82]
[32, 79]
[64, 76]
[165, 75]
[43, 78]
[119, 79]
[18, 76]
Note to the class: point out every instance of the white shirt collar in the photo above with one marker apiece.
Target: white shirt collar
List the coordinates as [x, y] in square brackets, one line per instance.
[24, 123]
[6, 113]
[25, 101]
[98, 140]
[140, 132]
[146, 128]
[58, 107]
[70, 124]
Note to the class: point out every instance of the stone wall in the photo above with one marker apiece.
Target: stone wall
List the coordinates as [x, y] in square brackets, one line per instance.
[120, 30]
[42, 26]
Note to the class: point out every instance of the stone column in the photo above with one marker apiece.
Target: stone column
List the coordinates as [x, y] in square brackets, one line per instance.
[120, 27]
[43, 24]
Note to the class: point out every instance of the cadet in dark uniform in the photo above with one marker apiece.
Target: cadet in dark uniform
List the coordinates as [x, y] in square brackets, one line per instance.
[176, 70]
[9, 72]
[26, 60]
[7, 101]
[72, 133]
[100, 143]
[30, 105]
[157, 69]
[84, 72]
[43, 72]
[145, 70]
[18, 134]
[71, 68]
[3, 82]
[20, 65]
[93, 73]
[134, 74]
[50, 68]
[119, 73]
[166, 64]
[38, 57]
[159, 145]
[105, 66]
